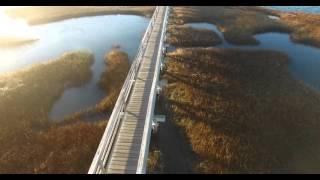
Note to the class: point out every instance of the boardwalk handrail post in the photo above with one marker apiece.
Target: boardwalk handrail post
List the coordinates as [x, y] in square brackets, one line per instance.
[100, 159]
[144, 151]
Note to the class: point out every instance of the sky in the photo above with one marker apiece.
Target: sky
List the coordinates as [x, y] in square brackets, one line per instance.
[13, 28]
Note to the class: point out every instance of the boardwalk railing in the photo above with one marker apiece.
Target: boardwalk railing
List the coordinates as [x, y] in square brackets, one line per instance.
[101, 157]
[143, 157]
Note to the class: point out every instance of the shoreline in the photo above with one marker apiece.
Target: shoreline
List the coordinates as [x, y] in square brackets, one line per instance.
[111, 80]
[240, 111]
[47, 141]
[27, 95]
[196, 121]
[16, 43]
[54, 14]
[239, 25]
[231, 106]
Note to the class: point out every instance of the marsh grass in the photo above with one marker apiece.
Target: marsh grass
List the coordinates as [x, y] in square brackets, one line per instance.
[188, 36]
[155, 164]
[30, 143]
[116, 72]
[306, 27]
[59, 149]
[237, 23]
[32, 91]
[242, 111]
[85, 136]
[111, 81]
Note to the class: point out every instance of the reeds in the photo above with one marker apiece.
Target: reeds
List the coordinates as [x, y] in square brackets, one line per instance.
[188, 36]
[24, 107]
[242, 111]
[238, 24]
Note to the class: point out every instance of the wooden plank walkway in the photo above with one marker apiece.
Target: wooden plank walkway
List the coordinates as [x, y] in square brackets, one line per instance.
[125, 151]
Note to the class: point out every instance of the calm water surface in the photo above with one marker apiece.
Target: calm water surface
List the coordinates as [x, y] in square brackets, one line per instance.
[305, 60]
[307, 9]
[97, 34]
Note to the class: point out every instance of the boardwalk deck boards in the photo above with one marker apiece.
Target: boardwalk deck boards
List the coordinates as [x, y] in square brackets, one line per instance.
[135, 112]
[125, 150]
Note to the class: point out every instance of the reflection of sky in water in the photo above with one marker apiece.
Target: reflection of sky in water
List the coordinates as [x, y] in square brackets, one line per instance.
[308, 9]
[99, 34]
[305, 60]
[96, 34]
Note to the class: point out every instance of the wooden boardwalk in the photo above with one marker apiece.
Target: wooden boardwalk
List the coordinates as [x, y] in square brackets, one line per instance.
[125, 152]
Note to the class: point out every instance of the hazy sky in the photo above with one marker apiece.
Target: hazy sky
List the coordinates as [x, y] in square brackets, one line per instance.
[13, 27]
[6, 7]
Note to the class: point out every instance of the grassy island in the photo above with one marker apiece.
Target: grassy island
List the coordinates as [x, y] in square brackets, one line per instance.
[111, 81]
[113, 78]
[30, 143]
[188, 36]
[240, 24]
[241, 111]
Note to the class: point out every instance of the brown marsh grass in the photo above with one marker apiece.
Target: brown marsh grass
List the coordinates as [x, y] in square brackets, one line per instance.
[29, 142]
[242, 111]
[237, 23]
[113, 78]
[188, 36]
[29, 94]
[155, 164]
[111, 81]
[306, 26]
[240, 23]
[82, 149]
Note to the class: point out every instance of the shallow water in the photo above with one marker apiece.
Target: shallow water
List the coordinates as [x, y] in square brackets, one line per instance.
[305, 60]
[307, 9]
[97, 34]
